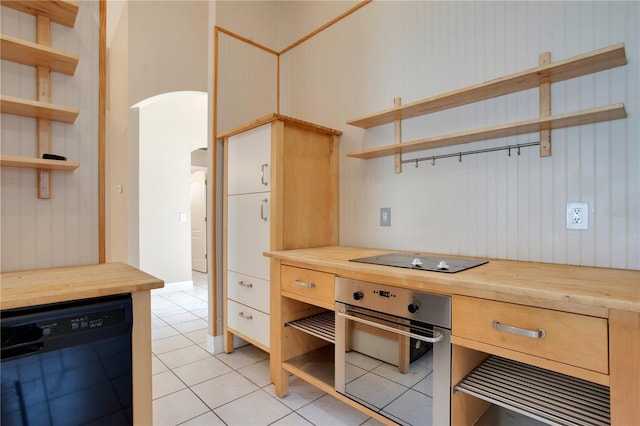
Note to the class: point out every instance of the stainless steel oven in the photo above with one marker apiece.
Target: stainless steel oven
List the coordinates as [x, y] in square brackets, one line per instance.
[393, 351]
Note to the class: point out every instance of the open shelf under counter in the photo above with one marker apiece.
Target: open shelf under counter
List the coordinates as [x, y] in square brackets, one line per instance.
[322, 326]
[316, 367]
[537, 393]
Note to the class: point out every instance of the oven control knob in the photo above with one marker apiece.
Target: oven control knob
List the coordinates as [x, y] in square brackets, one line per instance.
[358, 295]
[413, 308]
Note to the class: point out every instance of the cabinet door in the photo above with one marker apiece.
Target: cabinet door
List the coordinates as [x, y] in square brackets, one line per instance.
[248, 234]
[249, 158]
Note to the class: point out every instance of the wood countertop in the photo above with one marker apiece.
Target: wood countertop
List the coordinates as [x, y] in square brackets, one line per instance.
[579, 289]
[40, 286]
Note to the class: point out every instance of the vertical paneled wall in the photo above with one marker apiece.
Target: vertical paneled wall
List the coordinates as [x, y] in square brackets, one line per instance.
[247, 82]
[63, 230]
[488, 205]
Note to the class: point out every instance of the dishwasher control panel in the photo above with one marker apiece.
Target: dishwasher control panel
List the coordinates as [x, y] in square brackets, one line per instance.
[46, 322]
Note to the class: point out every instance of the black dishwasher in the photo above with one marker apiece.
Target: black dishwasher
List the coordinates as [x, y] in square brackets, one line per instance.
[67, 363]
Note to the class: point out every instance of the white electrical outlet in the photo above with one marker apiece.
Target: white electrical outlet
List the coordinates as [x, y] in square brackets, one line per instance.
[577, 215]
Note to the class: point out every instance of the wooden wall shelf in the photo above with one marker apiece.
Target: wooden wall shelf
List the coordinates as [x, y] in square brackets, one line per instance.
[29, 108]
[594, 115]
[542, 76]
[63, 12]
[45, 59]
[37, 163]
[588, 63]
[37, 55]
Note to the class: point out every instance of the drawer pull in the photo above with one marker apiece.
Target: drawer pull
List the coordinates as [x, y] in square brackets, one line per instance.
[304, 284]
[243, 284]
[262, 175]
[534, 334]
[245, 316]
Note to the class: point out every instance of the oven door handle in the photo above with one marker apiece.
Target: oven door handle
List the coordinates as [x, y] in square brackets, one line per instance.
[437, 336]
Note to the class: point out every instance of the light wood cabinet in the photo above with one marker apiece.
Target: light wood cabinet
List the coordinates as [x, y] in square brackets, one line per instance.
[280, 192]
[590, 318]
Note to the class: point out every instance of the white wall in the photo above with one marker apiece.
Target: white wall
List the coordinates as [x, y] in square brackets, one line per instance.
[171, 126]
[168, 42]
[155, 47]
[117, 190]
[63, 230]
[247, 83]
[489, 205]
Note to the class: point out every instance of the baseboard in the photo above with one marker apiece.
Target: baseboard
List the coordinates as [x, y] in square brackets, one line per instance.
[215, 344]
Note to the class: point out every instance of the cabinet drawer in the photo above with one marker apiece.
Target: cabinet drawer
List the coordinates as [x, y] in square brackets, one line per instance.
[314, 285]
[573, 339]
[249, 291]
[249, 322]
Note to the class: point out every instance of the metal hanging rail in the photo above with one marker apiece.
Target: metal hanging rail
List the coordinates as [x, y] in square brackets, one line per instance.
[509, 148]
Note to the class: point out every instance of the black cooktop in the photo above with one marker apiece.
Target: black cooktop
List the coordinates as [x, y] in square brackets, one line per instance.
[426, 263]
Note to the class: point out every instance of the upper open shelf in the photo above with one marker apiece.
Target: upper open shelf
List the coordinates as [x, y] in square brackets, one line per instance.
[588, 63]
[63, 12]
[37, 55]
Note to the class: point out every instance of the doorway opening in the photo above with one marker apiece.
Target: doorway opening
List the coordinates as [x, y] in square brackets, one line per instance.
[199, 253]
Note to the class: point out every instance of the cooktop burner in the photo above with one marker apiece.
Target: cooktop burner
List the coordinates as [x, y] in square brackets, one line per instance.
[425, 263]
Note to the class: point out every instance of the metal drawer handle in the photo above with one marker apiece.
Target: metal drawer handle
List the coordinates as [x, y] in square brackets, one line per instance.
[304, 284]
[534, 334]
[262, 174]
[262, 204]
[245, 316]
[243, 284]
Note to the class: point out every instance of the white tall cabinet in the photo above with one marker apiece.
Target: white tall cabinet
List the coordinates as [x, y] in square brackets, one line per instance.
[280, 192]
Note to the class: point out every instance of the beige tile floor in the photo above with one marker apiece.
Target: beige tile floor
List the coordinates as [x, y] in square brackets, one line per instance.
[193, 387]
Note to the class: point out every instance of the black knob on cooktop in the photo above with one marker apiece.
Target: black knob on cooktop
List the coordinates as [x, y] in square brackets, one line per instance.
[358, 295]
[413, 308]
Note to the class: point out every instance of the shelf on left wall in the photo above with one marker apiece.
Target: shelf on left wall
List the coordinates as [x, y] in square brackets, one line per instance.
[37, 163]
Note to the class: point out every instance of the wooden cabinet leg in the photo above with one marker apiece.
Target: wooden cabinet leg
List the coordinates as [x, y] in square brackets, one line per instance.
[624, 374]
[227, 341]
[465, 409]
[280, 380]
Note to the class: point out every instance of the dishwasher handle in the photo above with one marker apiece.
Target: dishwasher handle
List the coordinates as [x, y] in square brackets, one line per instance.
[437, 336]
[21, 350]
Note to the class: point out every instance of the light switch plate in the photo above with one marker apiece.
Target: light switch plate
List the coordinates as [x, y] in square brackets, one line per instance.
[385, 216]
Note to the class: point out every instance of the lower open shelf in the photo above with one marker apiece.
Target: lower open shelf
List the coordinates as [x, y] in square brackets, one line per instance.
[540, 394]
[37, 163]
[317, 365]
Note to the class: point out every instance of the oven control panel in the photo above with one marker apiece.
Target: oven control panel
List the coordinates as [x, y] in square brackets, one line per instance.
[425, 307]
